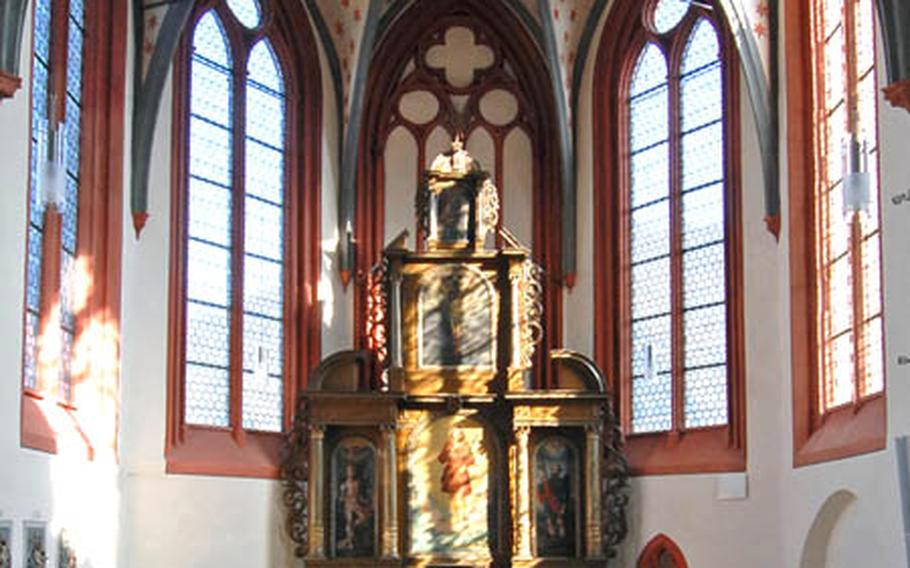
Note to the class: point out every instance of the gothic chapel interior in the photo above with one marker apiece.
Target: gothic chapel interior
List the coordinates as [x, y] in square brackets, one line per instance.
[454, 283]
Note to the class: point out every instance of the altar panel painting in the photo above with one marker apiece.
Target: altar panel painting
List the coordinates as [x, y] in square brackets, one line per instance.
[448, 488]
[555, 502]
[353, 499]
[456, 319]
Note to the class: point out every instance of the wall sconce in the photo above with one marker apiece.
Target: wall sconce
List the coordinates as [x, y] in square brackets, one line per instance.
[857, 179]
[52, 164]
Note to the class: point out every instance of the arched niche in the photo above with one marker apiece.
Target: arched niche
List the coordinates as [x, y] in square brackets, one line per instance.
[661, 552]
[815, 549]
[494, 89]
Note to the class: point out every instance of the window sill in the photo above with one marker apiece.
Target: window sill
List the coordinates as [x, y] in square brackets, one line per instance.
[51, 427]
[211, 451]
[845, 432]
[707, 450]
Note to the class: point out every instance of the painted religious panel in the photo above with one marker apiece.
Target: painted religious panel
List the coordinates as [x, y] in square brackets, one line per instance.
[555, 497]
[353, 532]
[448, 489]
[456, 324]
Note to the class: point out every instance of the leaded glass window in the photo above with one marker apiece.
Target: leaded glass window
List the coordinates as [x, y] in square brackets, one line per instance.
[235, 252]
[848, 244]
[677, 260]
[50, 322]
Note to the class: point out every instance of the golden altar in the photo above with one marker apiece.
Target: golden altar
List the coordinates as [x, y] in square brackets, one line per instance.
[432, 448]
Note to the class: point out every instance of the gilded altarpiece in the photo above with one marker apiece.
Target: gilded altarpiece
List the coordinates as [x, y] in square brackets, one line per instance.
[431, 448]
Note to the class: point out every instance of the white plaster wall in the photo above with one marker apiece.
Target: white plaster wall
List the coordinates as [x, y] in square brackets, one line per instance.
[189, 521]
[712, 533]
[63, 491]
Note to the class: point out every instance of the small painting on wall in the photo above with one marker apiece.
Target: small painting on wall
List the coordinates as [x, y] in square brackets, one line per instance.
[35, 545]
[6, 544]
[354, 499]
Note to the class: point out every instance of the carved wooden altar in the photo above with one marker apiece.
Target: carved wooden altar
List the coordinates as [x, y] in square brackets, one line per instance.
[431, 448]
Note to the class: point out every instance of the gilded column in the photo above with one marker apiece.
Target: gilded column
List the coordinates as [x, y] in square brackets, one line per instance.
[593, 517]
[390, 492]
[317, 491]
[523, 499]
[395, 319]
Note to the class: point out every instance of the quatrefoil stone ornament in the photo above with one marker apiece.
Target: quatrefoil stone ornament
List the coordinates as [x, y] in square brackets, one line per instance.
[460, 56]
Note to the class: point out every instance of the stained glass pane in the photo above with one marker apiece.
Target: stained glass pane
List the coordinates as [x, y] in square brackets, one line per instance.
[650, 71]
[259, 290]
[651, 232]
[706, 396]
[67, 289]
[651, 288]
[704, 276]
[264, 235]
[651, 403]
[668, 13]
[209, 245]
[42, 29]
[839, 371]
[208, 270]
[649, 124]
[702, 49]
[703, 216]
[703, 156]
[264, 172]
[651, 391]
[213, 84]
[702, 97]
[650, 175]
[265, 117]
[263, 71]
[30, 371]
[207, 334]
[263, 364]
[872, 282]
[839, 305]
[246, 11]
[705, 336]
[207, 396]
[33, 290]
[209, 41]
[210, 212]
[210, 152]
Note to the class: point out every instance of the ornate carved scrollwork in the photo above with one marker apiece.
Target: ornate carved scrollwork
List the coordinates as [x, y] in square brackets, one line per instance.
[532, 312]
[615, 491]
[295, 474]
[489, 206]
[377, 311]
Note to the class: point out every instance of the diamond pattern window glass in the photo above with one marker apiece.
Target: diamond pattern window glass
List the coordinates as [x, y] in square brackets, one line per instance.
[50, 322]
[848, 255]
[209, 246]
[236, 253]
[263, 296]
[676, 260]
[650, 241]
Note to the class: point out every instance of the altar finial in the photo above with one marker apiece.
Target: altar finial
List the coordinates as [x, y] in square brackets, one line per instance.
[456, 160]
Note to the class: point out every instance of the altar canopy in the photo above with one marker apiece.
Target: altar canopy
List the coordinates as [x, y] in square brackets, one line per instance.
[432, 448]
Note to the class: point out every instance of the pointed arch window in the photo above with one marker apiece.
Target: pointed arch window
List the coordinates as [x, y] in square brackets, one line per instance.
[70, 319]
[247, 236]
[835, 243]
[676, 341]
